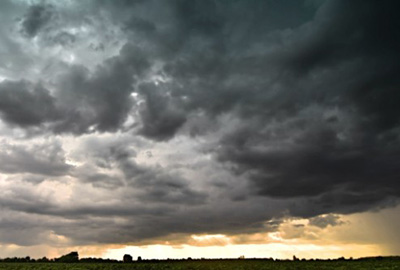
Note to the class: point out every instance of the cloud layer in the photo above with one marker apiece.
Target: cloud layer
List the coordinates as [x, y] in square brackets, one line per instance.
[135, 120]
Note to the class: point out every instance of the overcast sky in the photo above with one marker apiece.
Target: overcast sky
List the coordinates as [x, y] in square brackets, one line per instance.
[146, 122]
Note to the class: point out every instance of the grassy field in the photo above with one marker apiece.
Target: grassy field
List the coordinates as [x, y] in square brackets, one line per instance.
[215, 264]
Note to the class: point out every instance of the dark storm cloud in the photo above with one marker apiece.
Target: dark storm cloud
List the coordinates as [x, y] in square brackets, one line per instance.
[343, 64]
[158, 186]
[318, 100]
[210, 66]
[36, 18]
[123, 222]
[25, 104]
[314, 160]
[101, 99]
[331, 62]
[126, 219]
[161, 117]
[27, 233]
[197, 54]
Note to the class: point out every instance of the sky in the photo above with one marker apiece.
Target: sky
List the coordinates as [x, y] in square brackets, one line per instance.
[202, 128]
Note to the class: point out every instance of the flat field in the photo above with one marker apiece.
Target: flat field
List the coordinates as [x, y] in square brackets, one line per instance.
[212, 264]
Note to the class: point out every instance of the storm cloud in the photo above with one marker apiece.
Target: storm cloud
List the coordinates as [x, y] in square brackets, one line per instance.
[25, 104]
[36, 18]
[252, 111]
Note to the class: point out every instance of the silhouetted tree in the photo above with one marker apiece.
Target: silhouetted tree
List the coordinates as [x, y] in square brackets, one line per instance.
[44, 259]
[127, 258]
[69, 258]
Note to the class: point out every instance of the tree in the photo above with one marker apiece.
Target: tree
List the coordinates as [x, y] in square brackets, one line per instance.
[44, 259]
[127, 258]
[69, 258]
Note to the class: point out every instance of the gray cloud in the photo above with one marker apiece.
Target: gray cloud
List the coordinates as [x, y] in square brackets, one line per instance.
[153, 184]
[325, 221]
[289, 150]
[101, 100]
[126, 221]
[25, 104]
[36, 18]
[161, 116]
[42, 159]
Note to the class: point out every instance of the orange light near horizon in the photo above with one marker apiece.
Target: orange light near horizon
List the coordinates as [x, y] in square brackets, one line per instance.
[274, 250]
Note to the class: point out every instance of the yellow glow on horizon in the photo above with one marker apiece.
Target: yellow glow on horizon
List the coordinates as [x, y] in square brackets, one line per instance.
[208, 237]
[358, 235]
[274, 250]
[209, 240]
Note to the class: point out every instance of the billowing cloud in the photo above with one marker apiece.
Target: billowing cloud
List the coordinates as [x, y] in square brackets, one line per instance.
[42, 159]
[36, 19]
[25, 104]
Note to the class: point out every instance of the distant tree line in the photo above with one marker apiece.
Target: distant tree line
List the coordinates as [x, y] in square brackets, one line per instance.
[73, 257]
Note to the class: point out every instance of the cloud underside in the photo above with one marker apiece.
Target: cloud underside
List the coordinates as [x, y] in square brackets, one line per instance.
[279, 115]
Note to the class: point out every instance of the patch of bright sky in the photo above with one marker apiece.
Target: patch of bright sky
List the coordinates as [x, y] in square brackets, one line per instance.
[282, 251]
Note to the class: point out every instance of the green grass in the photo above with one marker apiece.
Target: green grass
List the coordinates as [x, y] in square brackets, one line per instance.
[214, 264]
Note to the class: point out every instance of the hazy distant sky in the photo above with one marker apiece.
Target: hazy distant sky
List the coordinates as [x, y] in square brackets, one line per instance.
[175, 128]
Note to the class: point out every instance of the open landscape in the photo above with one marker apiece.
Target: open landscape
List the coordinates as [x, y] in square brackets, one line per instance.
[71, 261]
[168, 134]
[212, 265]
[246, 264]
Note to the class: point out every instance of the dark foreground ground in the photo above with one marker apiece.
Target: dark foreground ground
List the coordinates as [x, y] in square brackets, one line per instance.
[212, 264]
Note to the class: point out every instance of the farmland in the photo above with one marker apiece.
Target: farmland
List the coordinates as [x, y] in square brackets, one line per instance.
[387, 264]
